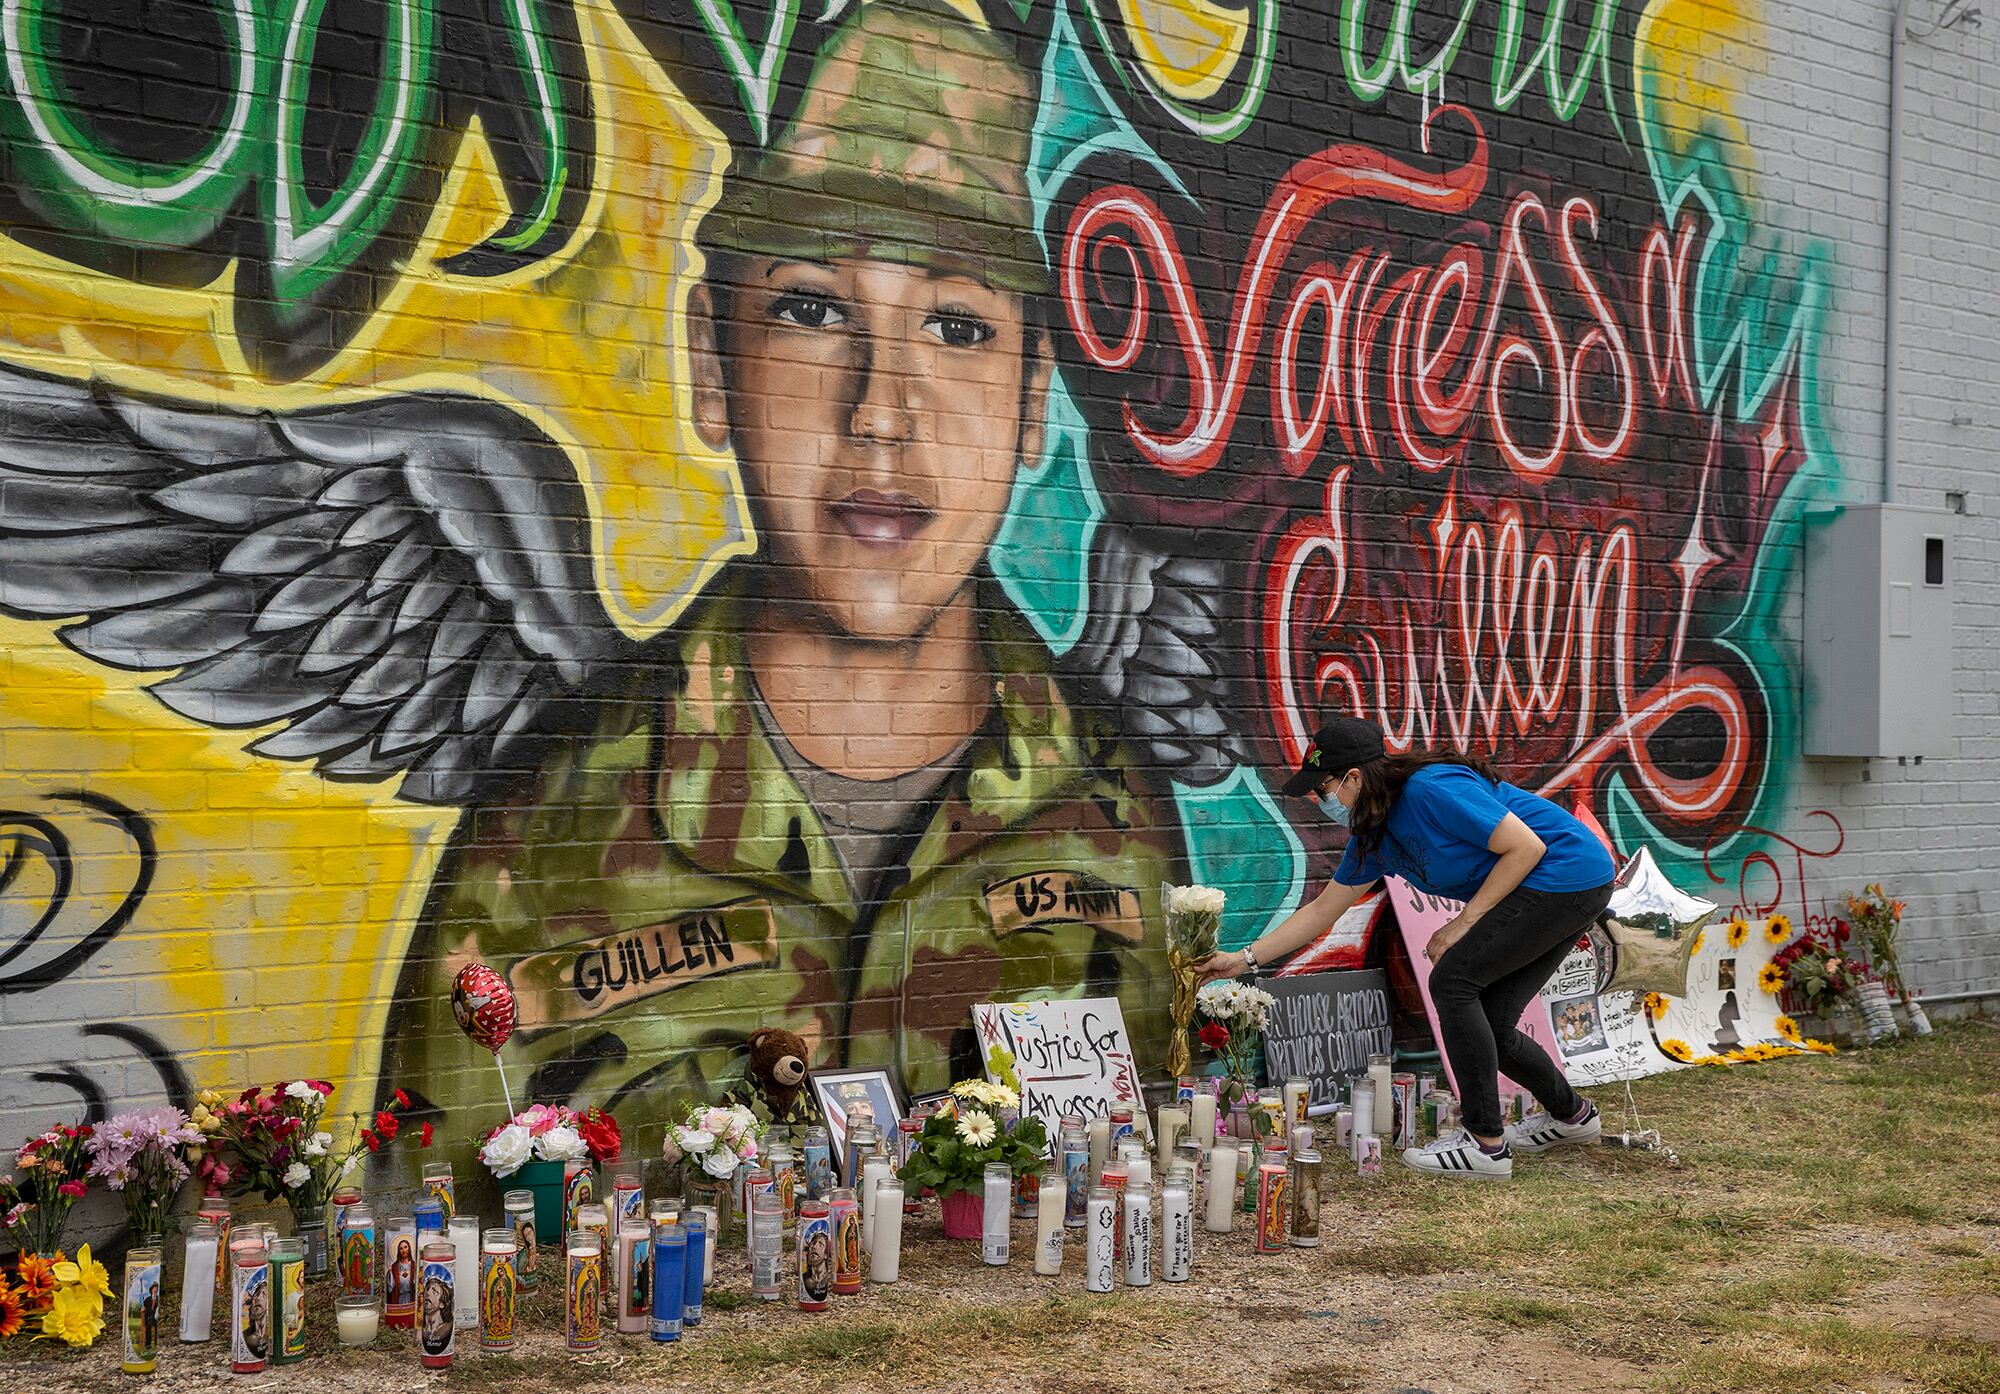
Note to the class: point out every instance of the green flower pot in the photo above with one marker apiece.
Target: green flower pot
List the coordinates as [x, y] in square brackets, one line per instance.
[545, 1179]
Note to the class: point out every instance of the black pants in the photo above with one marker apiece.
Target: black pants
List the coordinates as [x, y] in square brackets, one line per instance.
[1485, 981]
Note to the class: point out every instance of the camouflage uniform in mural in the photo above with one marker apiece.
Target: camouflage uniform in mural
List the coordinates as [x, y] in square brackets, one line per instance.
[666, 888]
[684, 875]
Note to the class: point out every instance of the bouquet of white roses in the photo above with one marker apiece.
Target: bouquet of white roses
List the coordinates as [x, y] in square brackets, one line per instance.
[720, 1139]
[539, 1133]
[1194, 917]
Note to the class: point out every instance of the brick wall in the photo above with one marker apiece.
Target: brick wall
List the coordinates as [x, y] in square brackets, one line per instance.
[813, 527]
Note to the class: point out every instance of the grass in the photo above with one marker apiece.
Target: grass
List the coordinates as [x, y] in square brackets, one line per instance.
[1819, 1233]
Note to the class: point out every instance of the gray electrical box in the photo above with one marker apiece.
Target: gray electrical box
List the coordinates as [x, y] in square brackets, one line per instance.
[1878, 642]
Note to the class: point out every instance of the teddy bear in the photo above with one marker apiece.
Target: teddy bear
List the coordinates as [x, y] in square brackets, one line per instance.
[775, 1076]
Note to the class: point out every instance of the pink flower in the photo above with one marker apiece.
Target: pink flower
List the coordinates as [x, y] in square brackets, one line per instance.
[73, 1189]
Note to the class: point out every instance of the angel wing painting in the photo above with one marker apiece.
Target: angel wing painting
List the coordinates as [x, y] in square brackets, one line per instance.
[852, 792]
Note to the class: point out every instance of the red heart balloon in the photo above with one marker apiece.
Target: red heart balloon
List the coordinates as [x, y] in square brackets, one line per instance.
[484, 1005]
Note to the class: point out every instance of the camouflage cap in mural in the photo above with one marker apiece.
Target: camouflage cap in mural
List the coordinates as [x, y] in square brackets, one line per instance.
[910, 144]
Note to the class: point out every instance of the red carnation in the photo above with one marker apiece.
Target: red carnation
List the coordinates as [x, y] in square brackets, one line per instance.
[1215, 1035]
[402, 1099]
[386, 1125]
[600, 1135]
[324, 1088]
[374, 1143]
[424, 1136]
[73, 1189]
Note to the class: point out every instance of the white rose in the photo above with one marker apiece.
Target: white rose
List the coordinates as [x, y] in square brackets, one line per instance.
[508, 1150]
[561, 1144]
[719, 1163]
[694, 1140]
[296, 1175]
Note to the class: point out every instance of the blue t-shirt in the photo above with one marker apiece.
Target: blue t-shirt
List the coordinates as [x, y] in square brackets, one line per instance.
[1440, 825]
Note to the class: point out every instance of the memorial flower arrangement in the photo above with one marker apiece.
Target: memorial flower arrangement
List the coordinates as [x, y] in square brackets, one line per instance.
[58, 1297]
[718, 1140]
[1819, 968]
[978, 1124]
[277, 1147]
[1879, 920]
[1236, 1017]
[1194, 920]
[35, 1204]
[146, 1156]
[549, 1133]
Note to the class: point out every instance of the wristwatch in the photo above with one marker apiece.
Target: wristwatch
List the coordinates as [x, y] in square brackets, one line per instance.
[1250, 959]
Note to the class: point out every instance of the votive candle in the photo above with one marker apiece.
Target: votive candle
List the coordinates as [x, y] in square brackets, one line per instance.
[464, 1231]
[1221, 1216]
[356, 1320]
[634, 1296]
[499, 1288]
[1201, 1119]
[886, 1258]
[671, 1263]
[1051, 1200]
[698, 1225]
[198, 1282]
[582, 1304]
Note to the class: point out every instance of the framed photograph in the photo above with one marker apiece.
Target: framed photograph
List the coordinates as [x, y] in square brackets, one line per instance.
[840, 1093]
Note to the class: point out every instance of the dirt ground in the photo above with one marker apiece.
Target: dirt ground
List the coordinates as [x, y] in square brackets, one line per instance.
[1830, 1225]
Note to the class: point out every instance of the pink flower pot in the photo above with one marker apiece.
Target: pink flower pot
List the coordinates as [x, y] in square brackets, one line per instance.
[964, 1212]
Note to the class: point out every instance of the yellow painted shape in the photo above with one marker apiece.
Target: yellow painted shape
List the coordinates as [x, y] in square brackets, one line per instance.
[1698, 57]
[282, 903]
[590, 342]
[1189, 47]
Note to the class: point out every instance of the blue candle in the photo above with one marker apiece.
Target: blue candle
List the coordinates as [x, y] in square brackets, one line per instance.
[670, 1259]
[430, 1216]
[696, 1226]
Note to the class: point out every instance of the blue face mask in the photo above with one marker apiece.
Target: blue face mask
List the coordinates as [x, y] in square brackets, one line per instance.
[1335, 809]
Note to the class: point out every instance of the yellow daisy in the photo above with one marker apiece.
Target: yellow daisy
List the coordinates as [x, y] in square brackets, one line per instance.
[1677, 1048]
[1656, 1005]
[1789, 1029]
[1739, 930]
[1771, 978]
[1694, 945]
[1778, 929]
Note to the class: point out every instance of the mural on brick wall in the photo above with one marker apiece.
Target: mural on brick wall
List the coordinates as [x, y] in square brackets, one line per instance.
[743, 516]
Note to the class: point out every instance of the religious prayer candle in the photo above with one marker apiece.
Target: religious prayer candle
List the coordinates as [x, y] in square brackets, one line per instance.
[215, 1209]
[1368, 1159]
[767, 1245]
[582, 1306]
[499, 1290]
[1138, 1170]
[1027, 1195]
[698, 1225]
[784, 1167]
[995, 1214]
[1298, 1097]
[439, 1186]
[817, 1152]
[815, 1256]
[250, 1308]
[437, 1301]
[464, 1231]
[1184, 1089]
[844, 1212]
[1343, 1129]
[1051, 1200]
[1306, 1167]
[1403, 1096]
[860, 1142]
[1379, 1076]
[429, 1215]
[1201, 1118]
[909, 1131]
[142, 1310]
[1100, 1147]
[1073, 1149]
[885, 1260]
[703, 1236]
[337, 1206]
[670, 1266]
[1221, 1208]
[634, 1282]
[1173, 1122]
[1100, 1241]
[520, 1208]
[1138, 1235]
[399, 1271]
[1114, 1181]
[1364, 1114]
[628, 1197]
[354, 1251]
[579, 1188]
[288, 1293]
[356, 1320]
[1177, 1226]
[198, 1282]
[1271, 1206]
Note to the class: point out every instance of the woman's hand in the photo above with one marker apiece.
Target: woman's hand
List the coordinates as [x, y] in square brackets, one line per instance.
[1226, 965]
[1446, 935]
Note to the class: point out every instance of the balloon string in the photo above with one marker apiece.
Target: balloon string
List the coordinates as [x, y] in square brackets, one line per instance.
[507, 1093]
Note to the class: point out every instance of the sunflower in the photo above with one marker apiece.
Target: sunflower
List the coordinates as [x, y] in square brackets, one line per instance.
[1656, 1005]
[1771, 978]
[1677, 1048]
[10, 1311]
[1818, 1047]
[1694, 944]
[1778, 929]
[1789, 1029]
[1739, 930]
[37, 1277]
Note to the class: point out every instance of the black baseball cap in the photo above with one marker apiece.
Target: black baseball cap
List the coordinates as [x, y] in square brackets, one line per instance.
[1341, 744]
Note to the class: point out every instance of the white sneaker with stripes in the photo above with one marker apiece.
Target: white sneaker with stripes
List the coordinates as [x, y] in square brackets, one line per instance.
[1538, 1132]
[1457, 1153]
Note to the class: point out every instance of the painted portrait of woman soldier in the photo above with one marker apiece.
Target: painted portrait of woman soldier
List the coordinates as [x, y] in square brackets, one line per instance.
[853, 800]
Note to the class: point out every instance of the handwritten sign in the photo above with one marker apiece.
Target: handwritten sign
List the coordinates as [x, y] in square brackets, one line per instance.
[1324, 1026]
[1072, 1057]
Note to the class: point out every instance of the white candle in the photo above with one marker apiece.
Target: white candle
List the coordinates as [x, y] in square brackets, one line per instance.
[885, 1260]
[358, 1324]
[1100, 1147]
[873, 1174]
[464, 1230]
[1138, 1170]
[1049, 1203]
[1173, 1121]
[710, 1235]
[1201, 1119]
[1385, 1103]
[1221, 1188]
[198, 1286]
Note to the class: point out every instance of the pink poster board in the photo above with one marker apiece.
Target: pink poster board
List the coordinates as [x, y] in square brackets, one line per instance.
[1420, 915]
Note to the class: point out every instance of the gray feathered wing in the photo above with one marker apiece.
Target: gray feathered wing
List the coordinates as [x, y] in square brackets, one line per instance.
[1148, 647]
[403, 586]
